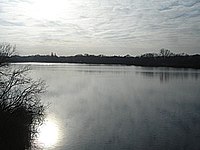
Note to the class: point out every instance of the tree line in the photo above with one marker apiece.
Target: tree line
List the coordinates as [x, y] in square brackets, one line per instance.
[165, 58]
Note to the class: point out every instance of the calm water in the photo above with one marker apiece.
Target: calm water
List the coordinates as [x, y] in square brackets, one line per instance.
[97, 107]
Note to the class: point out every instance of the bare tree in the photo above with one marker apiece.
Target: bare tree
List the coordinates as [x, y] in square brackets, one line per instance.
[150, 55]
[166, 53]
[6, 50]
[21, 110]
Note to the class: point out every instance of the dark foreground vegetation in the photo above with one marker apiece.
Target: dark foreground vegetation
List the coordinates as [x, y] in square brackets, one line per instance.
[163, 59]
[21, 110]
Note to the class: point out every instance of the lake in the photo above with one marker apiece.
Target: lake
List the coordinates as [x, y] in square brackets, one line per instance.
[111, 107]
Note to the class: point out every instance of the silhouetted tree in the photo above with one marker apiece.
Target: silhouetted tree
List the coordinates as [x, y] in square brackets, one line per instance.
[21, 110]
[182, 54]
[150, 55]
[166, 53]
[6, 50]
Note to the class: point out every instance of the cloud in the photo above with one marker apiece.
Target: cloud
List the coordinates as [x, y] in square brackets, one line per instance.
[10, 23]
[100, 23]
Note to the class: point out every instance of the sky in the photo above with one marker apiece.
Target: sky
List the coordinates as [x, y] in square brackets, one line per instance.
[109, 27]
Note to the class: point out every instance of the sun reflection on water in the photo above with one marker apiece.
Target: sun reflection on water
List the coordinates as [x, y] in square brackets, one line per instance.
[49, 134]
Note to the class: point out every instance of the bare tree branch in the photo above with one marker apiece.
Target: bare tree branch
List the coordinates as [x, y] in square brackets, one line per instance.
[19, 97]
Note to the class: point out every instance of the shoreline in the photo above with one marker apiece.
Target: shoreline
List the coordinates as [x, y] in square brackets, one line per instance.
[190, 61]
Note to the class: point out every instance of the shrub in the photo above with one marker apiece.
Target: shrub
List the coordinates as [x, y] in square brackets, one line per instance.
[21, 110]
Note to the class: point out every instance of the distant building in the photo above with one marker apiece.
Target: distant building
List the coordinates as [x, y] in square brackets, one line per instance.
[53, 54]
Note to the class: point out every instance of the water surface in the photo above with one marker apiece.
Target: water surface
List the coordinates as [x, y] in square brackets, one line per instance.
[96, 107]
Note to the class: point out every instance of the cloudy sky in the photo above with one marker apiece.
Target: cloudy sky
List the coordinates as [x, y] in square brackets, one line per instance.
[109, 27]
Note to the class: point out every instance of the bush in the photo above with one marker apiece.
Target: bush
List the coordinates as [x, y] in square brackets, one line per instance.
[21, 110]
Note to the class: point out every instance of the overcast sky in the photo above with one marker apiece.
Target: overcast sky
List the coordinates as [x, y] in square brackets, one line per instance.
[109, 27]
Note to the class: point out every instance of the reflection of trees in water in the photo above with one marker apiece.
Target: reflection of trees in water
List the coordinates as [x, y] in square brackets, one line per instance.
[165, 76]
[21, 110]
